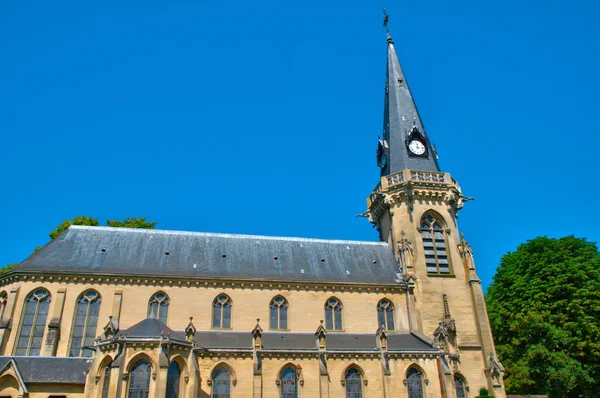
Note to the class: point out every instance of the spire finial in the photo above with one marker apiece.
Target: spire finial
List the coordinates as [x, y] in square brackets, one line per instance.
[386, 19]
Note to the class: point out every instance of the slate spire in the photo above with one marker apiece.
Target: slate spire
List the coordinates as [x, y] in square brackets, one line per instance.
[402, 125]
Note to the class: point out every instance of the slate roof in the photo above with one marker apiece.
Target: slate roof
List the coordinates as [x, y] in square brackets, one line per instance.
[56, 370]
[400, 116]
[151, 328]
[124, 251]
[214, 340]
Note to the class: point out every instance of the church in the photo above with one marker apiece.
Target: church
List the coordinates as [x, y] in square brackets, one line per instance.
[131, 313]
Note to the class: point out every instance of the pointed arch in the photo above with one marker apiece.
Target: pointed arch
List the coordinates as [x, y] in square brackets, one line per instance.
[353, 378]
[278, 311]
[434, 234]
[221, 316]
[176, 377]
[333, 314]
[158, 306]
[33, 322]
[415, 381]
[139, 370]
[460, 385]
[288, 379]
[222, 378]
[105, 374]
[85, 324]
[385, 314]
[136, 357]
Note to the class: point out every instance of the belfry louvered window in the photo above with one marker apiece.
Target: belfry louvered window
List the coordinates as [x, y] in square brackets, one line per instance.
[33, 323]
[434, 245]
[222, 312]
[84, 326]
[158, 307]
[385, 314]
[278, 309]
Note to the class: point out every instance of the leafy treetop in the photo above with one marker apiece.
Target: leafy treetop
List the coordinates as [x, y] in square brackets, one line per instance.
[544, 309]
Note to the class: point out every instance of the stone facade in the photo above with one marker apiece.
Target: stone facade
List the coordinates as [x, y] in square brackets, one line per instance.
[116, 313]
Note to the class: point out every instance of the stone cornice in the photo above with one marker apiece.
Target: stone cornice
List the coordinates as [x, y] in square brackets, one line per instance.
[15, 276]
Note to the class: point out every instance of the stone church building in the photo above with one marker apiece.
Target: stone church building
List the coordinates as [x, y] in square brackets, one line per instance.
[127, 313]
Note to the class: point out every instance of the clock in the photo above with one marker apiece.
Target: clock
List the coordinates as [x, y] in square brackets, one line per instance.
[416, 147]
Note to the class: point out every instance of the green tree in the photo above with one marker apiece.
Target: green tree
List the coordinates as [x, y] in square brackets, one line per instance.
[80, 220]
[133, 222]
[544, 309]
[484, 393]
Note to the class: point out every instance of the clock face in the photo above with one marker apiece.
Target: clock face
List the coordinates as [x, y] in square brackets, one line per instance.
[416, 147]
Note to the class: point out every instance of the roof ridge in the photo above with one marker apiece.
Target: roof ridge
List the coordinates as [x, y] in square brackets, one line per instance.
[225, 235]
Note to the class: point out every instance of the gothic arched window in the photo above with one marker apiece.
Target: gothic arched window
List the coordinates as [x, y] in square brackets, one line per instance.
[222, 312]
[461, 388]
[84, 325]
[106, 381]
[278, 308]
[385, 314]
[221, 383]
[414, 382]
[33, 323]
[434, 245]
[158, 307]
[139, 379]
[289, 383]
[333, 314]
[173, 380]
[3, 301]
[353, 383]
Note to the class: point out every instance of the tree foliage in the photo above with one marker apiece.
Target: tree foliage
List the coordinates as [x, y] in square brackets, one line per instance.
[80, 220]
[544, 309]
[133, 222]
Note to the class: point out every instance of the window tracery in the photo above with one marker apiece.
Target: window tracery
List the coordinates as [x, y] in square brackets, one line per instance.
[33, 323]
[279, 316]
[333, 314]
[85, 324]
[435, 245]
[222, 312]
[158, 307]
[385, 314]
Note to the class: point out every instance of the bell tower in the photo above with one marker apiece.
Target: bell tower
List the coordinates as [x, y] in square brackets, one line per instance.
[415, 207]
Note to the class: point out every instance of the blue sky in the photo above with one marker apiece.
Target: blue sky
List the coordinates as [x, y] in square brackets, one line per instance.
[262, 118]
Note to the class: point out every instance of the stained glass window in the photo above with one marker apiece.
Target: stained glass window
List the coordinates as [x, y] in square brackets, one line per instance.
[173, 380]
[385, 314]
[222, 312]
[139, 379]
[414, 383]
[434, 246]
[333, 314]
[353, 384]
[34, 323]
[278, 309]
[461, 391]
[158, 307]
[106, 382]
[289, 383]
[84, 326]
[221, 387]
